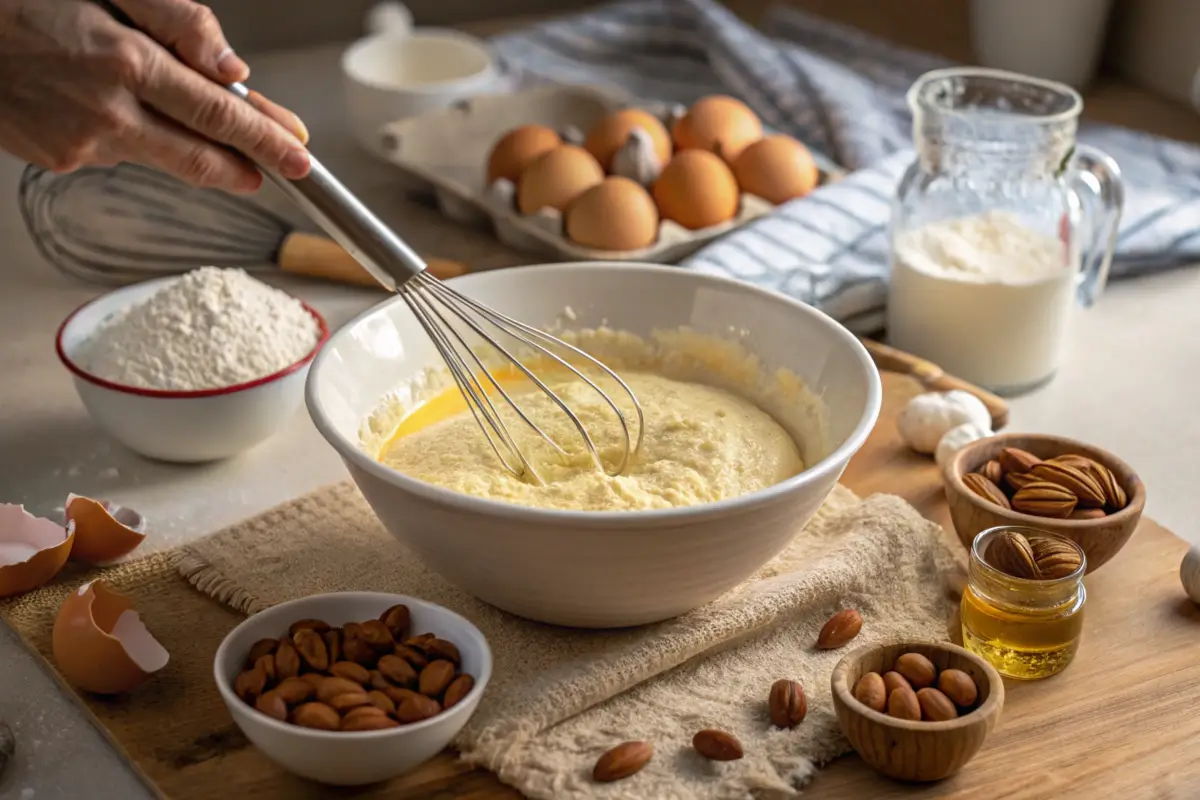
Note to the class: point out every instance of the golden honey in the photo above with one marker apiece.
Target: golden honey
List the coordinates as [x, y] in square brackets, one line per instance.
[1026, 629]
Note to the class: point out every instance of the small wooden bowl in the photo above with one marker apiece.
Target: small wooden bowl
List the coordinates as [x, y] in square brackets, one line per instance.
[1100, 539]
[916, 751]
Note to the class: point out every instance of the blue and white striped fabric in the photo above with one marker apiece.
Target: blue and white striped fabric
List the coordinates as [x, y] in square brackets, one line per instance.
[840, 91]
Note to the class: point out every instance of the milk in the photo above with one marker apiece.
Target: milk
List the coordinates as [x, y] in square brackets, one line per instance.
[985, 297]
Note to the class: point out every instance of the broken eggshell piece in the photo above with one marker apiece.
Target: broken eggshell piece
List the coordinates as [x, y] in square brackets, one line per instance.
[636, 159]
[32, 549]
[101, 645]
[104, 532]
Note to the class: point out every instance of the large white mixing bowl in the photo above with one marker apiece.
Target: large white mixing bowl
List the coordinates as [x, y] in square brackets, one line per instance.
[596, 569]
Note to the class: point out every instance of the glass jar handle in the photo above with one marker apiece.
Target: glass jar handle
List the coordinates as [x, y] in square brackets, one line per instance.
[1096, 180]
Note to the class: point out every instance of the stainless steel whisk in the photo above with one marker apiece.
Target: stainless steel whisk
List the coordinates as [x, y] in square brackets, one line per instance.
[397, 267]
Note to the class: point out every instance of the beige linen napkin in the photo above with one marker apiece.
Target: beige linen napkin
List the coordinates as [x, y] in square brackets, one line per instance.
[559, 697]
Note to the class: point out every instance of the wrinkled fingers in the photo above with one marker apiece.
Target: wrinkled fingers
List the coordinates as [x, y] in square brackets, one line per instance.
[192, 31]
[167, 146]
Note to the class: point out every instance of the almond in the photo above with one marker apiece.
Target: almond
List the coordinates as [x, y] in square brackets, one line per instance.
[1018, 480]
[271, 704]
[935, 706]
[359, 652]
[1055, 558]
[381, 701]
[316, 715]
[903, 704]
[311, 647]
[1088, 513]
[376, 634]
[1014, 459]
[294, 691]
[333, 643]
[992, 471]
[1012, 554]
[435, 678]
[894, 680]
[398, 695]
[413, 656]
[1073, 460]
[397, 670]
[440, 648]
[368, 722]
[786, 703]
[622, 761]
[263, 647]
[351, 672]
[1087, 492]
[332, 687]
[959, 687]
[984, 488]
[459, 688]
[416, 707]
[377, 680]
[840, 629]
[1044, 499]
[266, 665]
[717, 745]
[916, 669]
[344, 702]
[397, 619]
[872, 692]
[287, 660]
[320, 626]
[250, 684]
[1115, 497]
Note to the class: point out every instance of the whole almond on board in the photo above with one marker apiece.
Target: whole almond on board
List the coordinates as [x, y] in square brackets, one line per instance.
[311, 647]
[622, 761]
[1012, 554]
[1014, 459]
[872, 692]
[381, 701]
[435, 678]
[318, 625]
[351, 672]
[717, 745]
[376, 634]
[1055, 558]
[397, 619]
[984, 488]
[1018, 480]
[294, 691]
[397, 670]
[344, 702]
[250, 684]
[992, 471]
[266, 665]
[412, 655]
[935, 706]
[440, 648]
[271, 704]
[359, 652]
[1044, 499]
[894, 680]
[903, 704]
[1088, 513]
[316, 715]
[840, 629]
[916, 669]
[287, 660]
[263, 647]
[786, 703]
[1087, 492]
[333, 643]
[959, 687]
[332, 687]
[416, 708]
[459, 688]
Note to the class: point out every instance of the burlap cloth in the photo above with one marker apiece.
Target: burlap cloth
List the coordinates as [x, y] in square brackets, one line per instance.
[558, 697]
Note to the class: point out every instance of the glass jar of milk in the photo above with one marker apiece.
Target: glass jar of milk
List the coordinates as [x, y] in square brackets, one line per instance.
[997, 227]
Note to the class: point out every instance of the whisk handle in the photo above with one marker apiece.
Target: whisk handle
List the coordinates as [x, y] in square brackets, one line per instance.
[316, 256]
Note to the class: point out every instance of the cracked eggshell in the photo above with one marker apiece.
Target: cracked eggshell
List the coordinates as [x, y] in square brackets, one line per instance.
[930, 416]
[957, 438]
[104, 532]
[637, 159]
[32, 549]
[610, 134]
[101, 645]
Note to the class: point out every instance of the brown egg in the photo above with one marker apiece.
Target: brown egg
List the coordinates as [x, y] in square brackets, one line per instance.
[104, 532]
[719, 124]
[557, 178]
[605, 137]
[777, 169]
[519, 148]
[697, 190]
[32, 549]
[100, 644]
[617, 214]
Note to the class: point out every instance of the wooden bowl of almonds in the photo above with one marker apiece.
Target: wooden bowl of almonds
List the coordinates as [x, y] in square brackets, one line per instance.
[1056, 484]
[916, 711]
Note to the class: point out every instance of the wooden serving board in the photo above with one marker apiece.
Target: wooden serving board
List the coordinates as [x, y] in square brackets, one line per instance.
[1118, 723]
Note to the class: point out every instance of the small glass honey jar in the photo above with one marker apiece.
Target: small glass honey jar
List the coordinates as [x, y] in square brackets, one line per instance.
[1026, 627]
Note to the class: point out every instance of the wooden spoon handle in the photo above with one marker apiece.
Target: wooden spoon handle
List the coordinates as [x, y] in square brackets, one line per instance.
[321, 257]
[932, 377]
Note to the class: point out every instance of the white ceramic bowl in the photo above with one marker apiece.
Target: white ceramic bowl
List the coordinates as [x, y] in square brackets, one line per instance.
[184, 427]
[597, 569]
[397, 74]
[351, 759]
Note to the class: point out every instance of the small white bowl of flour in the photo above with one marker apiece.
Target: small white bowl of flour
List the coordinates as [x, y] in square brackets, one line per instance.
[192, 368]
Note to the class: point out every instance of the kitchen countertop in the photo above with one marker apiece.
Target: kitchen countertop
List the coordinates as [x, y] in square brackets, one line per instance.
[1128, 385]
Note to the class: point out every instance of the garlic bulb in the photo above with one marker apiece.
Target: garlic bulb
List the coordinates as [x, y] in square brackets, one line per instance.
[636, 159]
[928, 417]
[957, 438]
[1189, 573]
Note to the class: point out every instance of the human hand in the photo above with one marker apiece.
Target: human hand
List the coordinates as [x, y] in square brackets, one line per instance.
[78, 88]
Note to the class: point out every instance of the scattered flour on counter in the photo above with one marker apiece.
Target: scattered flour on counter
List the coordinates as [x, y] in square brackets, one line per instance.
[209, 329]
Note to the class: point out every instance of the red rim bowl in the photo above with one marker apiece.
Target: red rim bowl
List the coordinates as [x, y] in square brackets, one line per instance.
[79, 372]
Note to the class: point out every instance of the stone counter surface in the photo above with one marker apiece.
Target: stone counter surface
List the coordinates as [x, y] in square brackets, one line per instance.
[1129, 385]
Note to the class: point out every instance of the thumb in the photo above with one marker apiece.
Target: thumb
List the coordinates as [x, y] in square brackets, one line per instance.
[191, 30]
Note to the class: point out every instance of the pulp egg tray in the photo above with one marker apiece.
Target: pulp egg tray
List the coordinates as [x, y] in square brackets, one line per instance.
[446, 151]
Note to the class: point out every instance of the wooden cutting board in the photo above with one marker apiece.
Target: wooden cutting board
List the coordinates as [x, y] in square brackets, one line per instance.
[1118, 723]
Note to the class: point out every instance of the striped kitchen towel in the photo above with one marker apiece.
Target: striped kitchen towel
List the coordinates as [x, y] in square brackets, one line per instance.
[841, 91]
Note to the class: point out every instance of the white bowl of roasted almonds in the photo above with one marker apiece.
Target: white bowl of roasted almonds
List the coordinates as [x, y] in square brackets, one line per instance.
[352, 688]
[1056, 484]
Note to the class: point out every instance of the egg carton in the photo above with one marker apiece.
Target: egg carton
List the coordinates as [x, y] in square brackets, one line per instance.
[446, 151]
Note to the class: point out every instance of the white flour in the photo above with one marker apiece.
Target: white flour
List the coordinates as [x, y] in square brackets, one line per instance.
[209, 329]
